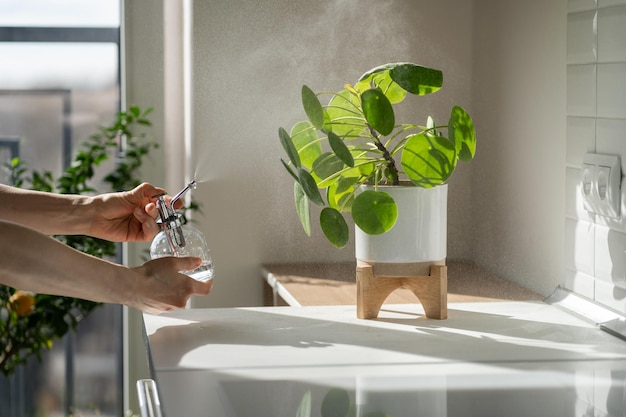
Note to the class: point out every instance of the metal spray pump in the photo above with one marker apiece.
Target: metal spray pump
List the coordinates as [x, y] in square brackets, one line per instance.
[178, 239]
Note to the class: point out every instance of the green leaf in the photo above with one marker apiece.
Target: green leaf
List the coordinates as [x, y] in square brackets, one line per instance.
[344, 115]
[462, 133]
[304, 409]
[310, 187]
[336, 403]
[304, 138]
[427, 160]
[378, 111]
[417, 79]
[289, 170]
[335, 228]
[303, 207]
[327, 165]
[340, 149]
[375, 212]
[312, 107]
[289, 147]
[340, 194]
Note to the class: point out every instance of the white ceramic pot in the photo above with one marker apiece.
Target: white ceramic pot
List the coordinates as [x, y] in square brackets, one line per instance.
[419, 234]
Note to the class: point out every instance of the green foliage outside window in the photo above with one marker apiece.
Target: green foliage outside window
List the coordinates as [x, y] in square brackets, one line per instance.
[29, 323]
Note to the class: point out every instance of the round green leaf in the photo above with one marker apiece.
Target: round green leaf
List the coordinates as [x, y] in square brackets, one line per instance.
[302, 207]
[306, 142]
[336, 403]
[378, 111]
[312, 107]
[374, 212]
[289, 147]
[416, 79]
[428, 160]
[462, 133]
[340, 194]
[344, 117]
[327, 165]
[310, 187]
[334, 227]
[340, 149]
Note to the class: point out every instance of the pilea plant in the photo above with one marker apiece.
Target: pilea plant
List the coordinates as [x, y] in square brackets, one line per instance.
[29, 323]
[355, 139]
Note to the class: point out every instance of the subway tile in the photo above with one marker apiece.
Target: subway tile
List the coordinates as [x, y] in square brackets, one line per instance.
[581, 90]
[581, 139]
[580, 283]
[580, 5]
[611, 90]
[611, 138]
[579, 246]
[582, 39]
[574, 207]
[609, 255]
[611, 34]
[610, 295]
[606, 3]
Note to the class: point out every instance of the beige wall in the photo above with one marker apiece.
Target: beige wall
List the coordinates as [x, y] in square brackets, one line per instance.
[518, 181]
[503, 60]
[251, 59]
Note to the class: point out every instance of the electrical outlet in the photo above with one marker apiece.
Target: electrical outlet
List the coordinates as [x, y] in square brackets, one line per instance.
[600, 181]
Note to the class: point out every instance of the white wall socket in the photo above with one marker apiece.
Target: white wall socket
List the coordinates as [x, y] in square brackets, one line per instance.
[600, 181]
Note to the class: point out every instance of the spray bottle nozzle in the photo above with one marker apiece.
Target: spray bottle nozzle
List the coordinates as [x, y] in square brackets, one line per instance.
[170, 220]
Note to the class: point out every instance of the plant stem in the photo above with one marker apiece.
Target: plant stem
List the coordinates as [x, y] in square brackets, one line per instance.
[391, 163]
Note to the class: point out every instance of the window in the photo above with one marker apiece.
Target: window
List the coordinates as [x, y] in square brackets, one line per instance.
[59, 81]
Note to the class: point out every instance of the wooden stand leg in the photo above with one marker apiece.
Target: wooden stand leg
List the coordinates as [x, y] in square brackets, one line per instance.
[431, 290]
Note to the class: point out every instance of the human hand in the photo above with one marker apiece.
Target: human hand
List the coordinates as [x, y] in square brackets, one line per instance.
[127, 216]
[160, 287]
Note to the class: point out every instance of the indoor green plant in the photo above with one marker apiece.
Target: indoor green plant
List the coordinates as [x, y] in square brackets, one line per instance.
[366, 145]
[30, 322]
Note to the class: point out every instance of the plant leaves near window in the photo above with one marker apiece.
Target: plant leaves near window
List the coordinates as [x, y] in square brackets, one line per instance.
[375, 212]
[378, 111]
[312, 107]
[303, 207]
[462, 133]
[334, 227]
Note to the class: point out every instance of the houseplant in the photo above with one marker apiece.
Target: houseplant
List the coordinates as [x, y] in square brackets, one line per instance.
[29, 323]
[355, 140]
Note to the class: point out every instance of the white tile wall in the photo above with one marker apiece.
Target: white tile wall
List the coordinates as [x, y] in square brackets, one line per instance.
[611, 34]
[582, 47]
[581, 90]
[611, 89]
[595, 255]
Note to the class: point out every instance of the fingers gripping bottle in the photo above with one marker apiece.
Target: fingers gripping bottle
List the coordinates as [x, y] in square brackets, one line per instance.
[178, 239]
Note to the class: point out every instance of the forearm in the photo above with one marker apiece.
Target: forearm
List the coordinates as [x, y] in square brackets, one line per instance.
[47, 212]
[34, 262]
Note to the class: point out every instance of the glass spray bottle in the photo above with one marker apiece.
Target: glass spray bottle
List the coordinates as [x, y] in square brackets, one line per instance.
[178, 239]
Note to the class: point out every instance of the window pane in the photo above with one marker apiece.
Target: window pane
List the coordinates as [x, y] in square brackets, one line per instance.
[58, 65]
[62, 13]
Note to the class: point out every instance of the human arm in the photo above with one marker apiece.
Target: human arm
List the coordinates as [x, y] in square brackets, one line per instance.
[34, 262]
[120, 217]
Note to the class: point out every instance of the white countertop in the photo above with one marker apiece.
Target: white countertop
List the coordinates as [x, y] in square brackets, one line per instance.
[495, 358]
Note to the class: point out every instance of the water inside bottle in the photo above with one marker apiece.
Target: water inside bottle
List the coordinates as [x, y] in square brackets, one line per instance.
[203, 273]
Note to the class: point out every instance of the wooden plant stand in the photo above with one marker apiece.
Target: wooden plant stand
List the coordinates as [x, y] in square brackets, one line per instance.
[427, 280]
